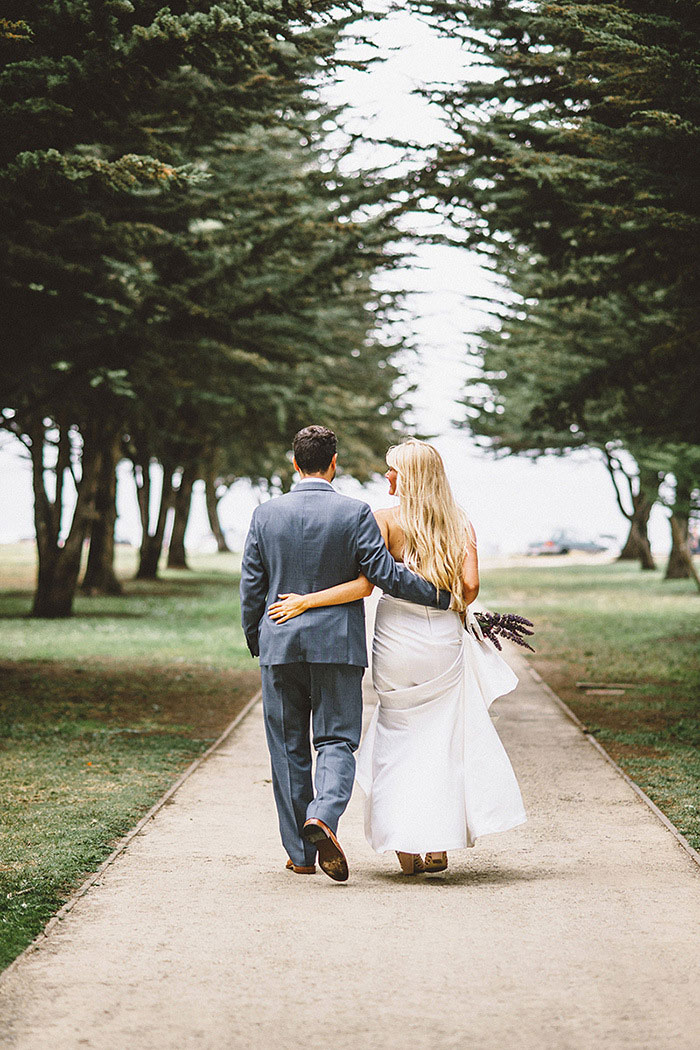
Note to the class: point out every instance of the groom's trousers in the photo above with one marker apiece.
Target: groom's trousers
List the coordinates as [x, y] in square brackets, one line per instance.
[329, 696]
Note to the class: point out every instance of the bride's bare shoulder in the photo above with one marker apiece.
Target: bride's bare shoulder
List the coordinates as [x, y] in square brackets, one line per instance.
[387, 519]
[388, 522]
[386, 514]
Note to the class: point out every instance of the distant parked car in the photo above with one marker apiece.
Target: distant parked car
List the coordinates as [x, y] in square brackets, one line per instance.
[562, 542]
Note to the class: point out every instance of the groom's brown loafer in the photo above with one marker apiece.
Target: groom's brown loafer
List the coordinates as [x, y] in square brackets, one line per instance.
[330, 855]
[300, 869]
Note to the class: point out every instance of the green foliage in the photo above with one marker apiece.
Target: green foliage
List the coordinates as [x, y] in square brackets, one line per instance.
[182, 261]
[166, 219]
[109, 108]
[565, 170]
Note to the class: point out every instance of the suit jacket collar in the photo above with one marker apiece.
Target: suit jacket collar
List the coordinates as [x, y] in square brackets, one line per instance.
[313, 485]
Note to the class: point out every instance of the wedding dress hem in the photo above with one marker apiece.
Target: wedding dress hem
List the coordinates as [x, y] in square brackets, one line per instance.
[422, 849]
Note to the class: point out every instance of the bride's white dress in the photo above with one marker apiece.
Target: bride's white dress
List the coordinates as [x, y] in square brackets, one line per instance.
[431, 763]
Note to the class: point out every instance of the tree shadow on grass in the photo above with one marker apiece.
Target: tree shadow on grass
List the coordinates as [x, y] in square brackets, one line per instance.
[16, 603]
[89, 614]
[174, 588]
[38, 695]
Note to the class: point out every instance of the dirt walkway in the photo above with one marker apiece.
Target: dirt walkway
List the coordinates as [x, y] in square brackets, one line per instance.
[571, 932]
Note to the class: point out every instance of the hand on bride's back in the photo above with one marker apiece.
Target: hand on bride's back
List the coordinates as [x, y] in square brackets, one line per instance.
[287, 607]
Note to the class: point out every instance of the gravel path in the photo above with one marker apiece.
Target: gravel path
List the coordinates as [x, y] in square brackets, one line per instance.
[571, 932]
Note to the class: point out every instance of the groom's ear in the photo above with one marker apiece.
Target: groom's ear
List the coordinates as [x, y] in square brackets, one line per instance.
[296, 465]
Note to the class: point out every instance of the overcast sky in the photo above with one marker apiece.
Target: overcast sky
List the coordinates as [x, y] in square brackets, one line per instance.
[511, 501]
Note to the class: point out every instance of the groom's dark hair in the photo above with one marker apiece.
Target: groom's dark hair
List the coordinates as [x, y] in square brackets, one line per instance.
[314, 448]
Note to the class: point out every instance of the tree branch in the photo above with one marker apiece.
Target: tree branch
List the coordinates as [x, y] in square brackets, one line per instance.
[614, 464]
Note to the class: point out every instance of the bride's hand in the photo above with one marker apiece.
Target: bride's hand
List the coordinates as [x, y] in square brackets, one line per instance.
[287, 607]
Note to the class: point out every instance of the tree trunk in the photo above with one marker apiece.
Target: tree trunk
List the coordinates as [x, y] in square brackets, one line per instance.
[182, 502]
[152, 543]
[680, 563]
[646, 558]
[213, 512]
[632, 548]
[647, 482]
[59, 563]
[57, 582]
[100, 577]
[149, 556]
[637, 547]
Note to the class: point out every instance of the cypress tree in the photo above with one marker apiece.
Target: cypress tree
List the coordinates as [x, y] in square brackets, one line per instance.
[177, 265]
[563, 169]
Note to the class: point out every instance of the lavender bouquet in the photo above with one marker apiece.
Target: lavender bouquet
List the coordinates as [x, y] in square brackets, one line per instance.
[507, 625]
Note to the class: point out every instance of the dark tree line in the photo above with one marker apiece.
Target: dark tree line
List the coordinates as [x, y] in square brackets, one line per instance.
[185, 271]
[572, 165]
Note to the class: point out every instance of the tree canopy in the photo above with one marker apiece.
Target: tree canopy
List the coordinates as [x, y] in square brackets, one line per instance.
[187, 268]
[571, 162]
[564, 168]
[184, 264]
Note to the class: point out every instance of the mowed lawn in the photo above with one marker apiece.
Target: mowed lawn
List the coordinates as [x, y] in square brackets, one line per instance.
[99, 714]
[612, 624]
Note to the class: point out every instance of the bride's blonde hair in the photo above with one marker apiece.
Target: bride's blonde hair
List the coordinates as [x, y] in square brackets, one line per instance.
[437, 532]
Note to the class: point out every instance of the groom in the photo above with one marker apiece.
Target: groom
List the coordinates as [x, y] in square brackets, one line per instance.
[312, 666]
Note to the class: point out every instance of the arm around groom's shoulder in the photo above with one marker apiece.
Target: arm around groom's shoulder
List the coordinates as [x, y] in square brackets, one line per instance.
[384, 572]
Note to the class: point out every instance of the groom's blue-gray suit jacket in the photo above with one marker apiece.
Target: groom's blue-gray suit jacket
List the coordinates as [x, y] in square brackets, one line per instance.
[309, 539]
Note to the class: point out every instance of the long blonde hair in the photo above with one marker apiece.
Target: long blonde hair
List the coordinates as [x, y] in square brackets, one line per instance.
[437, 532]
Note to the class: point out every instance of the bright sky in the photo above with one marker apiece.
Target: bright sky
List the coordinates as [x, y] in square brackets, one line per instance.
[511, 501]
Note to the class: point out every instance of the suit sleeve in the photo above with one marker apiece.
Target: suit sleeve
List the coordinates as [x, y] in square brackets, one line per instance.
[380, 568]
[254, 589]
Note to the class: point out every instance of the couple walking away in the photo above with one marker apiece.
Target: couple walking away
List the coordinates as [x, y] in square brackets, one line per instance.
[431, 764]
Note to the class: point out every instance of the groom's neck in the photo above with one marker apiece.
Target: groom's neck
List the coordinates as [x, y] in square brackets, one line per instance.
[328, 476]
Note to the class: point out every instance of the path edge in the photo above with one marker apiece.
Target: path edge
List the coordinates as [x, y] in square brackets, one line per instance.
[642, 795]
[130, 836]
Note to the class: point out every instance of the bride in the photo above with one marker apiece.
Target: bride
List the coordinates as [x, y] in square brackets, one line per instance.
[431, 764]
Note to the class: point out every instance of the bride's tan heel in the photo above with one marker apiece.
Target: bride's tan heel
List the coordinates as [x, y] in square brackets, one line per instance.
[435, 861]
[411, 863]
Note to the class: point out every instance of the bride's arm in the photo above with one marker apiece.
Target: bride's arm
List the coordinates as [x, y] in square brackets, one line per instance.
[470, 569]
[290, 605]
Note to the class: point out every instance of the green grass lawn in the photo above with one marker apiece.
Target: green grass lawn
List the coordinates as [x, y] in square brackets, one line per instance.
[98, 716]
[608, 624]
[185, 617]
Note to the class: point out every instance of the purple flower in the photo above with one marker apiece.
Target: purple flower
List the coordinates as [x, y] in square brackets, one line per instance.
[507, 625]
